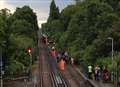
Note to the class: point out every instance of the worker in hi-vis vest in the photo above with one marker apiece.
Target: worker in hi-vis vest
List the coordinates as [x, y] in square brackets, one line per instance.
[90, 71]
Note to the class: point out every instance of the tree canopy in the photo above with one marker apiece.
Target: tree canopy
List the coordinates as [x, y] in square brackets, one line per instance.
[86, 27]
[18, 31]
[54, 12]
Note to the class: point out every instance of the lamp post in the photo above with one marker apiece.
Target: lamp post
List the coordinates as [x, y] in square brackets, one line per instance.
[112, 50]
[113, 62]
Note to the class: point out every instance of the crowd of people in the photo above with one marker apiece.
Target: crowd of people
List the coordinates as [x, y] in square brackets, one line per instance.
[62, 54]
[98, 73]
[94, 72]
[61, 57]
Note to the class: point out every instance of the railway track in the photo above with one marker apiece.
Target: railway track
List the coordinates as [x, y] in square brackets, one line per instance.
[40, 81]
[58, 81]
[54, 78]
[49, 75]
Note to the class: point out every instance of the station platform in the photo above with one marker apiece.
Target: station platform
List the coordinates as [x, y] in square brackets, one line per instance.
[93, 82]
[100, 84]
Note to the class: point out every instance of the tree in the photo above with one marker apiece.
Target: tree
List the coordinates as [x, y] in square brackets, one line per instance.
[4, 16]
[54, 12]
[87, 25]
[26, 13]
[4, 34]
[67, 14]
[19, 31]
[22, 27]
[113, 3]
[78, 1]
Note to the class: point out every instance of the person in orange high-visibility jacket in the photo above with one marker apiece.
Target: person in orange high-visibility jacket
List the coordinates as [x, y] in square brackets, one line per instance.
[61, 65]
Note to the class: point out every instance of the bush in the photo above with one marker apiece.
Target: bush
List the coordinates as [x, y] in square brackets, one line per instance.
[105, 62]
[15, 67]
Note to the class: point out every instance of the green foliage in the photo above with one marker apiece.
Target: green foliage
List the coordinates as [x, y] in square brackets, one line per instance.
[21, 42]
[4, 16]
[86, 27]
[2, 32]
[15, 67]
[25, 19]
[67, 14]
[105, 62]
[22, 27]
[19, 31]
[54, 12]
[26, 13]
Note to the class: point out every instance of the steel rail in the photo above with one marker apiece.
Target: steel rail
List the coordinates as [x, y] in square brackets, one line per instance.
[65, 82]
[40, 67]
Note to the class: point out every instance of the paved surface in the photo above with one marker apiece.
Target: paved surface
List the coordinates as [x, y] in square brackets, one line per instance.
[100, 84]
[74, 78]
[95, 83]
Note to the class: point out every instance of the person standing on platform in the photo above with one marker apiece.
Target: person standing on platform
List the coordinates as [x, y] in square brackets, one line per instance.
[97, 73]
[118, 83]
[90, 72]
[105, 74]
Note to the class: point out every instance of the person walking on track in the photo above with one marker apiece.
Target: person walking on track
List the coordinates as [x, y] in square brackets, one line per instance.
[53, 52]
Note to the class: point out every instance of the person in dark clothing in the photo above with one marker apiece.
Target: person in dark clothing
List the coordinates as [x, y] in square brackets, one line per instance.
[118, 83]
[66, 57]
[97, 73]
[105, 74]
[59, 56]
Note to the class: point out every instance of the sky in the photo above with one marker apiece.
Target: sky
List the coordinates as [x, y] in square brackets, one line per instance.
[40, 7]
